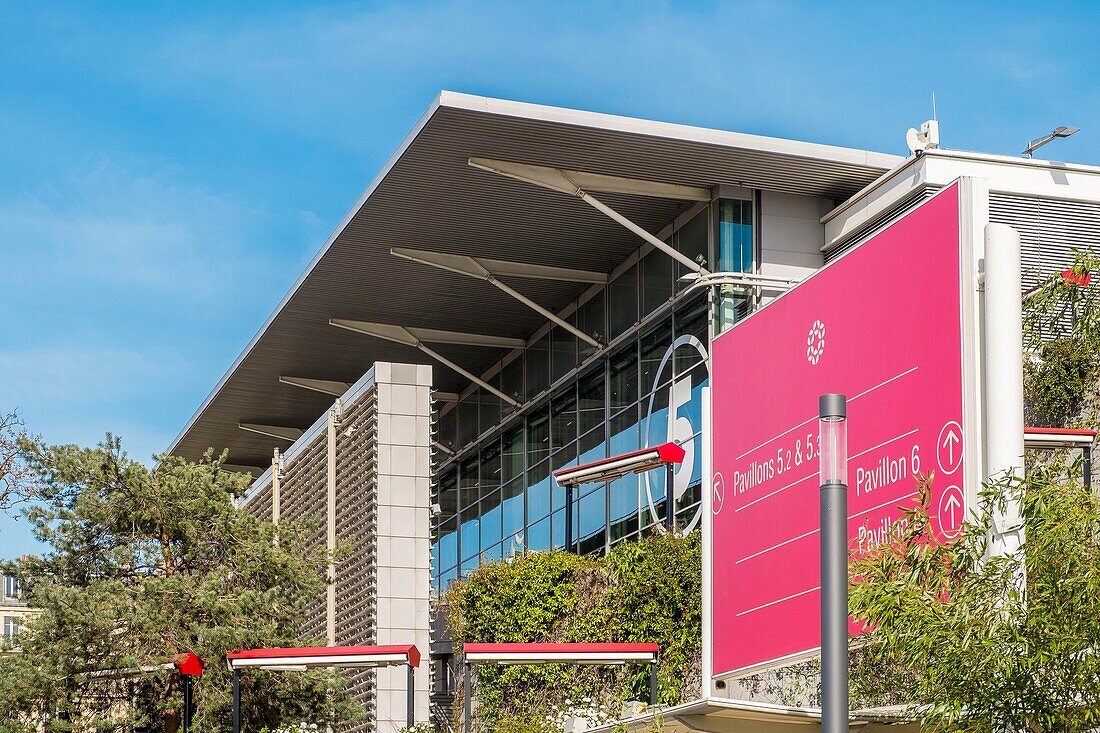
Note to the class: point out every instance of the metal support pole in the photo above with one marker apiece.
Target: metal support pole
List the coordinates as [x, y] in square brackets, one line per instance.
[187, 694]
[236, 701]
[569, 518]
[834, 581]
[1087, 468]
[653, 683]
[467, 697]
[410, 710]
[670, 479]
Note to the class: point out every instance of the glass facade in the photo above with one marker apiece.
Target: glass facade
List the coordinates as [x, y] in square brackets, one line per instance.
[497, 496]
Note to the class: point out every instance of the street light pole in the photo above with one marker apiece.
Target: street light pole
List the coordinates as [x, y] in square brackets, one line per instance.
[832, 423]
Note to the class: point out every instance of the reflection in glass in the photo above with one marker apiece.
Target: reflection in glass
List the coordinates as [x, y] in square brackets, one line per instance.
[654, 344]
[511, 454]
[538, 536]
[590, 404]
[538, 492]
[557, 525]
[512, 508]
[490, 520]
[469, 532]
[590, 519]
[623, 498]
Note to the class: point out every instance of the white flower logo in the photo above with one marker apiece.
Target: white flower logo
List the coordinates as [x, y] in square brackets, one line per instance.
[815, 342]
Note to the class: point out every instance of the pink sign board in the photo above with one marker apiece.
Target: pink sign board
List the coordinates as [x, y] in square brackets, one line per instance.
[881, 325]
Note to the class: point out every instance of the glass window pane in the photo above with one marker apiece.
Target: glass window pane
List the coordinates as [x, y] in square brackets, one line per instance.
[623, 302]
[537, 360]
[656, 409]
[489, 409]
[470, 565]
[490, 468]
[589, 520]
[468, 483]
[591, 403]
[448, 542]
[558, 529]
[538, 435]
[624, 432]
[563, 419]
[591, 320]
[467, 419]
[654, 344]
[491, 555]
[469, 532]
[693, 240]
[490, 520]
[566, 456]
[591, 446]
[735, 241]
[538, 492]
[511, 382]
[656, 281]
[563, 346]
[690, 320]
[447, 578]
[512, 509]
[623, 378]
[512, 454]
[623, 498]
[538, 536]
[448, 427]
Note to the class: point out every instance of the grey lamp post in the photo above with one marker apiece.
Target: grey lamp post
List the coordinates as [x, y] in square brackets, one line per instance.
[833, 426]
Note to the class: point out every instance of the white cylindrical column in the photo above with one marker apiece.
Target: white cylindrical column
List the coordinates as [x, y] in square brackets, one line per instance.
[1003, 357]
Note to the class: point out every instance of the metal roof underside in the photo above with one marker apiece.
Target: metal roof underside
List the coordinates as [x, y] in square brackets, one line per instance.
[429, 198]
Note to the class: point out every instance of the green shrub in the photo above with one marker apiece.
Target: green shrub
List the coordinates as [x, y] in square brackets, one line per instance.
[644, 591]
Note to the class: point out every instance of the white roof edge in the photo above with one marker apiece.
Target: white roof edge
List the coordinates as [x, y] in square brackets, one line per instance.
[562, 115]
[994, 158]
[670, 130]
[336, 232]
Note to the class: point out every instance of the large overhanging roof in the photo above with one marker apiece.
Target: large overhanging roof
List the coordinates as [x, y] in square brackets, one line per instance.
[428, 197]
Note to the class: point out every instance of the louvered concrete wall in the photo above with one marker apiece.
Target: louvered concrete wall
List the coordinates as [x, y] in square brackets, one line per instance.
[383, 449]
[1049, 231]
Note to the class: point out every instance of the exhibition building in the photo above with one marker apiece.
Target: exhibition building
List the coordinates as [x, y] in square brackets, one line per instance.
[524, 289]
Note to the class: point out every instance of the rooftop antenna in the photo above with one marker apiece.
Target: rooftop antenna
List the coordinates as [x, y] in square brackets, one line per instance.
[928, 136]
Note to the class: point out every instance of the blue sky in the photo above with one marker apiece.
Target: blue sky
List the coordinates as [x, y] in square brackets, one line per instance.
[167, 170]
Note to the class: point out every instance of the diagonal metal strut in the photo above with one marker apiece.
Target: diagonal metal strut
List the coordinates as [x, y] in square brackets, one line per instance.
[402, 335]
[573, 183]
[477, 268]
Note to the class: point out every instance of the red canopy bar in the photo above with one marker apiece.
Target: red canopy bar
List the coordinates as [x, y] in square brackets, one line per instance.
[608, 469]
[326, 656]
[559, 653]
[1058, 437]
[564, 653]
[290, 659]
